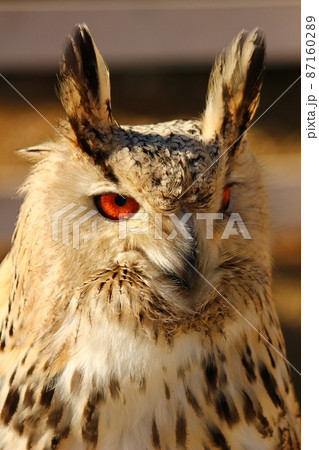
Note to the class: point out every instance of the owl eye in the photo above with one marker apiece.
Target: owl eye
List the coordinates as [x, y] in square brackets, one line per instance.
[116, 206]
[226, 198]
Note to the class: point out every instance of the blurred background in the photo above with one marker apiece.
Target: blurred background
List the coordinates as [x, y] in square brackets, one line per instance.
[160, 55]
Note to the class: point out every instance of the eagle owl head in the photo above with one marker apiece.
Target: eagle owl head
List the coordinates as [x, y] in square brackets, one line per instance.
[154, 192]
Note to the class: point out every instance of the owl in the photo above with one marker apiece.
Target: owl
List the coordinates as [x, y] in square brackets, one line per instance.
[136, 307]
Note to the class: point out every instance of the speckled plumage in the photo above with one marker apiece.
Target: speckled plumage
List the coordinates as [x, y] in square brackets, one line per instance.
[135, 343]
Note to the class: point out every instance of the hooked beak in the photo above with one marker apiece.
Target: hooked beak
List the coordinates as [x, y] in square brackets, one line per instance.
[184, 276]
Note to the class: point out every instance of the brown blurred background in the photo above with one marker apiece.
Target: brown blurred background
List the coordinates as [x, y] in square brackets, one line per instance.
[160, 54]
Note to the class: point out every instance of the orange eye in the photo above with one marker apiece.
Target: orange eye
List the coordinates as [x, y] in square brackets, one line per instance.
[226, 198]
[116, 206]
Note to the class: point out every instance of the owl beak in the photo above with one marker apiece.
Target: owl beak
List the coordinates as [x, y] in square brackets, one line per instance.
[185, 276]
[186, 280]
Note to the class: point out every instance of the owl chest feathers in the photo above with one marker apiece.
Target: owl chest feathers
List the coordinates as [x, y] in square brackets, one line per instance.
[123, 367]
[122, 390]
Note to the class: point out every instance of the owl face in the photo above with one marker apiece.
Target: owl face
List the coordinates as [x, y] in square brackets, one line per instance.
[153, 183]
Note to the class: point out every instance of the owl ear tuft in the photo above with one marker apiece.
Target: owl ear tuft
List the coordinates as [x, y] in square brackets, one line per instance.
[85, 85]
[234, 89]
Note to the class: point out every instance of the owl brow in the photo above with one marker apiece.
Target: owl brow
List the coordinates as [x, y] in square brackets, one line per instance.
[50, 124]
[109, 173]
